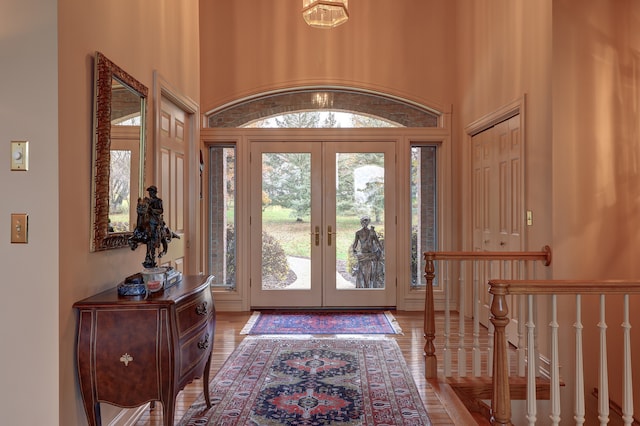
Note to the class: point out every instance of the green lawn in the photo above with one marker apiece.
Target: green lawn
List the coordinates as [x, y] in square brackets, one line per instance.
[295, 237]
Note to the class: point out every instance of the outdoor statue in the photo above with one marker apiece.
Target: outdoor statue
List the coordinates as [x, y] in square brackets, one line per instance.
[151, 228]
[370, 255]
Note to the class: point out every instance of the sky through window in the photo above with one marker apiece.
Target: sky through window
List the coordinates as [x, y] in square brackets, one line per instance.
[321, 119]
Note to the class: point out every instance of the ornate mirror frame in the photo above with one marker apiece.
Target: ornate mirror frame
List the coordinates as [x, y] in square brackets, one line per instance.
[104, 74]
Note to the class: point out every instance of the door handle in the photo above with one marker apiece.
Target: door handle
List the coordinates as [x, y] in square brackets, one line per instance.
[329, 234]
[317, 234]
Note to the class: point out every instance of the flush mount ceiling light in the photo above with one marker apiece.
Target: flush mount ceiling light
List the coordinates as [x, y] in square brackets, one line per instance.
[325, 13]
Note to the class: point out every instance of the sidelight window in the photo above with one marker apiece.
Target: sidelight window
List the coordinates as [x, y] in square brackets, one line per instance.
[423, 209]
[222, 202]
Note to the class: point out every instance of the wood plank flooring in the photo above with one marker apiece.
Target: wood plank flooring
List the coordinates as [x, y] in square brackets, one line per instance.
[443, 406]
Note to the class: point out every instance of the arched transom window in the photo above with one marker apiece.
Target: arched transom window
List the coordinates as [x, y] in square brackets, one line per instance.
[322, 108]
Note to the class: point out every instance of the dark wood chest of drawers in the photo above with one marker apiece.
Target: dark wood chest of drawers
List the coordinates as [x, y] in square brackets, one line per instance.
[132, 350]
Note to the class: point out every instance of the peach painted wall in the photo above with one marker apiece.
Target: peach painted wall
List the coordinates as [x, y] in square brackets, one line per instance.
[504, 53]
[596, 162]
[29, 302]
[404, 48]
[141, 37]
[577, 63]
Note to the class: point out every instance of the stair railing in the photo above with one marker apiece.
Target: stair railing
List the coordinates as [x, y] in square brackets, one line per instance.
[480, 266]
[501, 404]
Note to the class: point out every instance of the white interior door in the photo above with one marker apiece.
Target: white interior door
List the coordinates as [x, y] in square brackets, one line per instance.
[498, 217]
[310, 246]
[174, 138]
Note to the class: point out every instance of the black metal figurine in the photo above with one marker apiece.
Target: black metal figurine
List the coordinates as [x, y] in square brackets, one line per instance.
[151, 228]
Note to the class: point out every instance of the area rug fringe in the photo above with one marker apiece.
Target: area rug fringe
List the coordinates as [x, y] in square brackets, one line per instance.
[394, 322]
[250, 323]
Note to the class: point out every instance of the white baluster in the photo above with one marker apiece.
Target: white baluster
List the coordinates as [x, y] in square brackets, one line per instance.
[462, 351]
[476, 361]
[446, 352]
[627, 381]
[521, 350]
[506, 273]
[555, 364]
[579, 391]
[490, 328]
[535, 338]
[531, 367]
[603, 377]
[535, 331]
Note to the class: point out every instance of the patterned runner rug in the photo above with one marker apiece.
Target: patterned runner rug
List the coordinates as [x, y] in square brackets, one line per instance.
[312, 381]
[322, 322]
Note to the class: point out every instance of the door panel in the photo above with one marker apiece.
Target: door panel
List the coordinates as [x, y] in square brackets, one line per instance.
[173, 152]
[286, 244]
[359, 182]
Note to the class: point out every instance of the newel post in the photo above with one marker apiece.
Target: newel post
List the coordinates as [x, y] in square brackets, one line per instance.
[430, 362]
[501, 400]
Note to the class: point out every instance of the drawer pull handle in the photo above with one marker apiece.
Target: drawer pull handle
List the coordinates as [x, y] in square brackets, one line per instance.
[204, 343]
[202, 309]
[126, 359]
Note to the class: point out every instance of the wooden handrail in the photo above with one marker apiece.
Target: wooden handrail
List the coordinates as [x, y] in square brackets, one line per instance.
[501, 403]
[544, 254]
[563, 287]
[431, 364]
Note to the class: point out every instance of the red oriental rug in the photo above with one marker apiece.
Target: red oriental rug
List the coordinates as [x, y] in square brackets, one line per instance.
[312, 381]
[322, 322]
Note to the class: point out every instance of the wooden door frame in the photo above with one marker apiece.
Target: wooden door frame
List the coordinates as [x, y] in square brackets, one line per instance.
[406, 298]
[194, 240]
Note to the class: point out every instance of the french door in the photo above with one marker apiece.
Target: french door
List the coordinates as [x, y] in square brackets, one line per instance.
[323, 224]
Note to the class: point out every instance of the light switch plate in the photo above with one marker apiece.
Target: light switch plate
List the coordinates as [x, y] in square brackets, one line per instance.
[19, 228]
[19, 155]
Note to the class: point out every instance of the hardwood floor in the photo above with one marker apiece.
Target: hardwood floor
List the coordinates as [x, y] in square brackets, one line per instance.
[443, 406]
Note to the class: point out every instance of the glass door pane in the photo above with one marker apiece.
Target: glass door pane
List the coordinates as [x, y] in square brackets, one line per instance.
[286, 215]
[360, 207]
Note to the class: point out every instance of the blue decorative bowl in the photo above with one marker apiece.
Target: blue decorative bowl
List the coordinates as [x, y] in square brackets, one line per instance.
[132, 289]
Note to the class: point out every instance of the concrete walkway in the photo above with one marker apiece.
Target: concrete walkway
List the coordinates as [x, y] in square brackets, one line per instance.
[302, 268]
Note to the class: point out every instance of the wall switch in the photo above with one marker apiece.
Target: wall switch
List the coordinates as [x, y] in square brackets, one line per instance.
[19, 155]
[529, 218]
[19, 228]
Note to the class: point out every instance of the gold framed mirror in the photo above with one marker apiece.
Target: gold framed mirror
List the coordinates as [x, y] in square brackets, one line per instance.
[118, 154]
